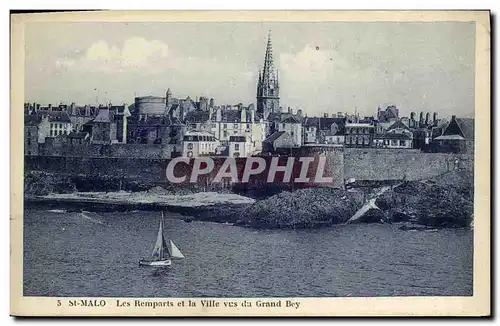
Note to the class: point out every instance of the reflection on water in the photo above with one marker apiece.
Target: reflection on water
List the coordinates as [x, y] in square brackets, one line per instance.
[68, 254]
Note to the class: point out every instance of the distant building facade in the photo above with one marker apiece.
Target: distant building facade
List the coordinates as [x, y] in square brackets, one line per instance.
[359, 134]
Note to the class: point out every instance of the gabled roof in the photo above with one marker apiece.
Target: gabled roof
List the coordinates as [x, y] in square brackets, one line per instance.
[326, 124]
[291, 119]
[103, 115]
[57, 116]
[398, 125]
[281, 116]
[274, 136]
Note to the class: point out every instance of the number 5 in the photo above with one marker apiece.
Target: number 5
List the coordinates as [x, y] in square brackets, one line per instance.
[58, 303]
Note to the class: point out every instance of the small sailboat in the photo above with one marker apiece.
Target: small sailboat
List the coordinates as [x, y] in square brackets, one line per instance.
[163, 252]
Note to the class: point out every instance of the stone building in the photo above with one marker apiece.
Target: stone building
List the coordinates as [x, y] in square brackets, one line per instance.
[240, 146]
[324, 130]
[199, 143]
[359, 134]
[226, 121]
[457, 137]
[280, 142]
[104, 127]
[398, 135]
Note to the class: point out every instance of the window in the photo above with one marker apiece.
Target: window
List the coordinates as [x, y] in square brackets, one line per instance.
[236, 147]
[190, 154]
[402, 143]
[214, 125]
[235, 126]
[190, 146]
[225, 133]
[236, 154]
[224, 126]
[248, 126]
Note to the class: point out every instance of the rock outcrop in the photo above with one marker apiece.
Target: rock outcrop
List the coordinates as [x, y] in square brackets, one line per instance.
[304, 208]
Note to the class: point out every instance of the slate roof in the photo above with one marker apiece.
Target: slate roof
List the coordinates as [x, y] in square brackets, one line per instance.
[274, 136]
[281, 116]
[326, 124]
[290, 119]
[103, 115]
[80, 134]
[398, 125]
[230, 116]
[32, 120]
[460, 126]
[197, 116]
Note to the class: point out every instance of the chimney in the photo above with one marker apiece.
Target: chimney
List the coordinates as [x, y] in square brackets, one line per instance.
[427, 118]
[421, 120]
[435, 118]
[325, 114]
[453, 117]
[412, 116]
[50, 107]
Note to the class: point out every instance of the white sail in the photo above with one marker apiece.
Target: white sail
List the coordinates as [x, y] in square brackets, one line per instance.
[157, 250]
[175, 252]
[160, 251]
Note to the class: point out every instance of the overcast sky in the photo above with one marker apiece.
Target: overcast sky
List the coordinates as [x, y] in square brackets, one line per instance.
[323, 67]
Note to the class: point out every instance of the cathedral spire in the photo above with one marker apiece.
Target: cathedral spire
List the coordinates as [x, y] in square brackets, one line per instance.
[268, 85]
[268, 72]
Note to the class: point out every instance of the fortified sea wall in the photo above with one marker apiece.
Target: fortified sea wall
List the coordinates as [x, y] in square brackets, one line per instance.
[394, 164]
[341, 164]
[152, 170]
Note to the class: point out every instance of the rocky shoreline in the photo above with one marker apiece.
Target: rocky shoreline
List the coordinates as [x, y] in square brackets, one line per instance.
[442, 202]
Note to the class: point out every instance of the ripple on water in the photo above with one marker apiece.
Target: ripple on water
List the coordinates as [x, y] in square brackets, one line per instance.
[89, 259]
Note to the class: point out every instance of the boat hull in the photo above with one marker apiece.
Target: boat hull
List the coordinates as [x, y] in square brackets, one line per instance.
[155, 263]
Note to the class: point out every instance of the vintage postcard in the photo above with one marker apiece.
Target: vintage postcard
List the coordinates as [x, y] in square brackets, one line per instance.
[252, 163]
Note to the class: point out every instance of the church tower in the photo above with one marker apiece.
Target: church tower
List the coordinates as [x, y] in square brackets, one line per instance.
[268, 92]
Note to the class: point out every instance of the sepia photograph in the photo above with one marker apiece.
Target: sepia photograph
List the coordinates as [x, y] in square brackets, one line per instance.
[191, 164]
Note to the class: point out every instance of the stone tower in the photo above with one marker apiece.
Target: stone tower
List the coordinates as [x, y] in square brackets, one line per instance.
[268, 92]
